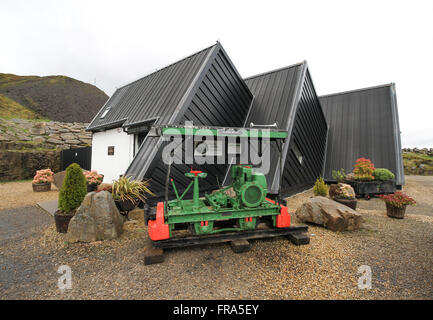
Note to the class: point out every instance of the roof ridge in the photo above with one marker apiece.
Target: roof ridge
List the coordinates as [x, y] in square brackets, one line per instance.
[357, 90]
[275, 70]
[167, 66]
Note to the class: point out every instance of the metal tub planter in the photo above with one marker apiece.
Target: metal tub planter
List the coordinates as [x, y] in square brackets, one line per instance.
[370, 188]
[41, 187]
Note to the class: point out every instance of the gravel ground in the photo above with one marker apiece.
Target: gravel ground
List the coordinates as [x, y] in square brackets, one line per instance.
[399, 253]
[20, 194]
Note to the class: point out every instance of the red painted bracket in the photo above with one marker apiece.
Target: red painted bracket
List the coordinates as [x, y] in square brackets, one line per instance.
[158, 229]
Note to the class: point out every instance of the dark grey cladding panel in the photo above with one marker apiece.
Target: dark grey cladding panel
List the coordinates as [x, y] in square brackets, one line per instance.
[276, 94]
[220, 98]
[155, 95]
[309, 136]
[363, 123]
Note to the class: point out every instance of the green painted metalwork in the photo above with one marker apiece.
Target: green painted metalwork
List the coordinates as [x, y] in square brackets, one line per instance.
[224, 132]
[243, 200]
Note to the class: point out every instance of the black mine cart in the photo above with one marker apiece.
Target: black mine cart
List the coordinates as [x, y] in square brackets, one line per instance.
[239, 210]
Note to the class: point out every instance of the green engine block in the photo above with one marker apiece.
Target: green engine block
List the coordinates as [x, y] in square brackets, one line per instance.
[244, 200]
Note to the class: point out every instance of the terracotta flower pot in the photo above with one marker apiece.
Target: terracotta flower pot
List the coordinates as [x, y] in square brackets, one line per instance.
[395, 212]
[62, 221]
[41, 187]
[351, 203]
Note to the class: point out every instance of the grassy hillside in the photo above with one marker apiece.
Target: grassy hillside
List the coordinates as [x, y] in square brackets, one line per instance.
[56, 98]
[11, 109]
[418, 164]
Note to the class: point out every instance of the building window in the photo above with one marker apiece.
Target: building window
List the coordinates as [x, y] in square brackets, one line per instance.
[208, 148]
[234, 148]
[104, 113]
[298, 154]
[110, 151]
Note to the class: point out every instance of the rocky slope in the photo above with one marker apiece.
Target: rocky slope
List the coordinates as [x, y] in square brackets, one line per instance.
[57, 98]
[418, 161]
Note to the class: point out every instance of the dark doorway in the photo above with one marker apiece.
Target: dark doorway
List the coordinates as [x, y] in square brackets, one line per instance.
[82, 156]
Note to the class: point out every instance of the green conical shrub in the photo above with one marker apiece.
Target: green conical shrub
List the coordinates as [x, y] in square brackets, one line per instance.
[73, 190]
[320, 188]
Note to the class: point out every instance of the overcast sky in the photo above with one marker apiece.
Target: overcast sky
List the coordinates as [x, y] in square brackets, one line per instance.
[347, 44]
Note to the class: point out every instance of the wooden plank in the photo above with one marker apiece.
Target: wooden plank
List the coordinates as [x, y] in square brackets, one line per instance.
[239, 246]
[228, 237]
[299, 238]
[153, 255]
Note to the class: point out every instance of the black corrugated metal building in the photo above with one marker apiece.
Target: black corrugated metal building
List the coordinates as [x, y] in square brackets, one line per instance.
[204, 88]
[288, 98]
[363, 123]
[207, 89]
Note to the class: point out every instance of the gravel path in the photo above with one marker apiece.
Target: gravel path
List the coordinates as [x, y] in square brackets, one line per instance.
[20, 194]
[399, 253]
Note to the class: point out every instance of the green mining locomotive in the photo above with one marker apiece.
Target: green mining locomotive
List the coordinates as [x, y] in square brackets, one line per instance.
[236, 207]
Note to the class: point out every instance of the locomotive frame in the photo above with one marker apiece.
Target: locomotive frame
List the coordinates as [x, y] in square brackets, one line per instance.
[245, 201]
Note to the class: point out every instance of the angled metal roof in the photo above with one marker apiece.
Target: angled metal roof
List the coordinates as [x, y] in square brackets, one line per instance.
[216, 96]
[276, 95]
[363, 123]
[157, 95]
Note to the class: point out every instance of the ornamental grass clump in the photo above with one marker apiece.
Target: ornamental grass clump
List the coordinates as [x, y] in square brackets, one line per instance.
[43, 176]
[126, 189]
[339, 175]
[398, 200]
[320, 188]
[382, 174]
[363, 170]
[73, 190]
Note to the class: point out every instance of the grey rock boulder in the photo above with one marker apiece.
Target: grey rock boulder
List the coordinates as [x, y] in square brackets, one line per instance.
[96, 219]
[330, 214]
[58, 179]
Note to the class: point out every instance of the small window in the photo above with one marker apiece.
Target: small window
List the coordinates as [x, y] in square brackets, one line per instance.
[234, 148]
[298, 154]
[110, 151]
[208, 148]
[105, 113]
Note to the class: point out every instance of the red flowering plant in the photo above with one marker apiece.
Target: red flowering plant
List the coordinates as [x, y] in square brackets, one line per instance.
[43, 176]
[93, 177]
[363, 170]
[398, 199]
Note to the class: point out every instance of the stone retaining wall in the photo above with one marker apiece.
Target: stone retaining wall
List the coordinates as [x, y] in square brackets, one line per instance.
[27, 146]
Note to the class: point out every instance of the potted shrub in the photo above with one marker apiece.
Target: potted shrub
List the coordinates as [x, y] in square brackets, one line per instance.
[366, 180]
[93, 180]
[320, 188]
[345, 194]
[396, 204]
[127, 193]
[42, 180]
[385, 180]
[72, 193]
[361, 179]
[340, 177]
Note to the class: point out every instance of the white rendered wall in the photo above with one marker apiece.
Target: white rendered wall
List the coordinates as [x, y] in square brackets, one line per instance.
[112, 166]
